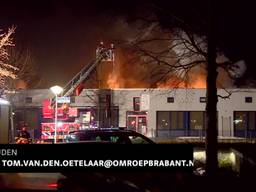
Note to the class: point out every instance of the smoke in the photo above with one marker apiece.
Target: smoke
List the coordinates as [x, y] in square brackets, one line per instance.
[127, 72]
[136, 69]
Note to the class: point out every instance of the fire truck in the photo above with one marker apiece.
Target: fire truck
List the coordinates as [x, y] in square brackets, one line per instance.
[66, 115]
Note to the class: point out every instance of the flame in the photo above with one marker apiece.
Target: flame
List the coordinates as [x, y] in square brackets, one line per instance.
[196, 81]
[125, 74]
[172, 82]
[200, 82]
[114, 81]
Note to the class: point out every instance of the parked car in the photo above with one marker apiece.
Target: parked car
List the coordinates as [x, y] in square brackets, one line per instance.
[113, 135]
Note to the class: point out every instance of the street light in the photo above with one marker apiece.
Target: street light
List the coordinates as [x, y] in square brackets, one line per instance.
[56, 91]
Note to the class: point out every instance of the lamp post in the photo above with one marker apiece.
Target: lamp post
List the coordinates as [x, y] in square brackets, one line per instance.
[56, 91]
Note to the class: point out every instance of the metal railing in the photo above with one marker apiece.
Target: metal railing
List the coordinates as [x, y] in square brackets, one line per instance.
[248, 136]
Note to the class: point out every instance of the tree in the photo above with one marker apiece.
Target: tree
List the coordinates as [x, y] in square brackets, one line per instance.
[27, 75]
[177, 43]
[6, 69]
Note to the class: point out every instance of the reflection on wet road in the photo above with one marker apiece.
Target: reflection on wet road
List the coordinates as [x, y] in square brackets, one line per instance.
[32, 181]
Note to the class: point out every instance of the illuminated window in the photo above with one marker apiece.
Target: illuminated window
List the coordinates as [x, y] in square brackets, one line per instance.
[181, 120]
[240, 120]
[248, 99]
[163, 120]
[244, 120]
[170, 120]
[196, 120]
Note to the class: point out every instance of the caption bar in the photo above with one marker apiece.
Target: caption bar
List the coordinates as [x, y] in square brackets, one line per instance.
[97, 163]
[52, 158]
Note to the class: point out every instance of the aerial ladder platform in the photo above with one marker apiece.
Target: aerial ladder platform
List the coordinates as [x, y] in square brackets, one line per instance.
[102, 54]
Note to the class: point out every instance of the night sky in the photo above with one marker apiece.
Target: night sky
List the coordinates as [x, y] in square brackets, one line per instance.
[63, 35]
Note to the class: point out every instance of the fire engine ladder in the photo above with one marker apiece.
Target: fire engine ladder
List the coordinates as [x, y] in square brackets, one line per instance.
[83, 74]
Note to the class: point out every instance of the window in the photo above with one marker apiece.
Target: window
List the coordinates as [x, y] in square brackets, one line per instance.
[136, 104]
[28, 100]
[196, 120]
[248, 99]
[181, 120]
[202, 99]
[251, 120]
[240, 120]
[102, 98]
[99, 117]
[114, 117]
[163, 120]
[131, 123]
[170, 120]
[138, 140]
[108, 100]
[170, 99]
[244, 120]
[72, 99]
[177, 120]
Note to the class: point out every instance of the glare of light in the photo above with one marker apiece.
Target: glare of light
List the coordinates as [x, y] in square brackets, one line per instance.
[4, 102]
[199, 155]
[53, 185]
[238, 121]
[56, 89]
[232, 158]
[13, 113]
[59, 124]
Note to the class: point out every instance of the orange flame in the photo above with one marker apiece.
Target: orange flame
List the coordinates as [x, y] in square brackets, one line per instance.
[200, 82]
[129, 75]
[114, 81]
[196, 81]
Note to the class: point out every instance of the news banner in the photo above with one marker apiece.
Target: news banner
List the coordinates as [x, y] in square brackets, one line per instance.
[85, 157]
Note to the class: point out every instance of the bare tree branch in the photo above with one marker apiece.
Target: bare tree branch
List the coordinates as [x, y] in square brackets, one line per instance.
[6, 70]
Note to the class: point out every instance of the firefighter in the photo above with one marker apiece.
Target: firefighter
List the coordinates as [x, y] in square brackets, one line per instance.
[100, 49]
[24, 133]
[23, 136]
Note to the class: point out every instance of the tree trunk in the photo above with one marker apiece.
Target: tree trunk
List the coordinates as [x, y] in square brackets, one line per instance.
[211, 105]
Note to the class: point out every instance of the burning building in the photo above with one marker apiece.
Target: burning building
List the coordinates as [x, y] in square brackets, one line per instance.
[176, 108]
[160, 113]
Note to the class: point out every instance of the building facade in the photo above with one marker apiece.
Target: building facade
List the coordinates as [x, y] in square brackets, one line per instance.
[162, 113]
